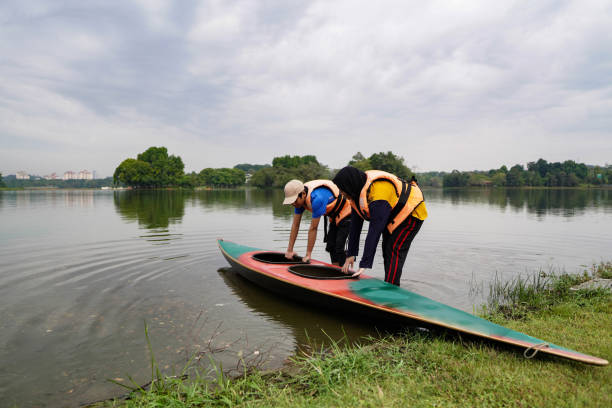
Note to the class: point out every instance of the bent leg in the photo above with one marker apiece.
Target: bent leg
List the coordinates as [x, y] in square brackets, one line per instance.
[396, 246]
[330, 246]
[342, 232]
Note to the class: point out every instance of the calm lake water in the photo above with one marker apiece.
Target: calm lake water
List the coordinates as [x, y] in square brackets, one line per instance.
[81, 272]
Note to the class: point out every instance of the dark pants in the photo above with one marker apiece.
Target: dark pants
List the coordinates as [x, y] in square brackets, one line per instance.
[396, 246]
[336, 240]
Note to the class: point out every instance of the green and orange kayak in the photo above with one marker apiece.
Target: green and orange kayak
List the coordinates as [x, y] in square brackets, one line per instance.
[324, 285]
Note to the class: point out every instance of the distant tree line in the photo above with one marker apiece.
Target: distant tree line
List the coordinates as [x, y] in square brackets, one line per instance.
[155, 168]
[39, 182]
[208, 177]
[537, 174]
[286, 168]
[2, 181]
[250, 168]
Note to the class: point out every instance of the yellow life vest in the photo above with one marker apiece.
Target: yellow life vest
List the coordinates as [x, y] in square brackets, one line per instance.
[409, 197]
[338, 209]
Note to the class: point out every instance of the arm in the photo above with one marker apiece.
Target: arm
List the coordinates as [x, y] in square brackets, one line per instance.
[295, 227]
[353, 241]
[312, 237]
[379, 216]
[354, 234]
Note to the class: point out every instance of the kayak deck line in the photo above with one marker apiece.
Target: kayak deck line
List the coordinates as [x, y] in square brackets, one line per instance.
[373, 294]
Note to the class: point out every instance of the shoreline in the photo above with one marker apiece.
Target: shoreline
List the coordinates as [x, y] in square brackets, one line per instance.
[416, 368]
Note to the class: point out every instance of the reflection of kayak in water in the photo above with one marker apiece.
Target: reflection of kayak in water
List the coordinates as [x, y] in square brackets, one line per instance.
[307, 324]
[324, 285]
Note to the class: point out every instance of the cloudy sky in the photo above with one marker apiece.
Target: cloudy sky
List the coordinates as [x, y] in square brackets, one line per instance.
[445, 84]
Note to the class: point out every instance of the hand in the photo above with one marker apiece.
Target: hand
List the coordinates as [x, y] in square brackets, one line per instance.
[289, 254]
[359, 272]
[306, 258]
[348, 264]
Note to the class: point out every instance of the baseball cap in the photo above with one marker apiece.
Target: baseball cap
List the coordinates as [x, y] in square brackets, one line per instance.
[292, 190]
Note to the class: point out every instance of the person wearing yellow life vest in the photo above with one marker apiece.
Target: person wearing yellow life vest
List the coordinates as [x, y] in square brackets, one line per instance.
[395, 209]
[321, 197]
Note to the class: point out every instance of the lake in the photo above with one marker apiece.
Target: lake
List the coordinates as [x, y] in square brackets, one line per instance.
[81, 271]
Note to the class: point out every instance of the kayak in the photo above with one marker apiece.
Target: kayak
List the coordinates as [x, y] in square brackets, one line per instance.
[324, 285]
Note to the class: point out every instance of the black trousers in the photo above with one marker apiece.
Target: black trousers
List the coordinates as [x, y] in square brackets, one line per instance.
[336, 240]
[396, 246]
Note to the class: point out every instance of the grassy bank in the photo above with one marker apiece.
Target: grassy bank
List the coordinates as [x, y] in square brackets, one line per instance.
[437, 368]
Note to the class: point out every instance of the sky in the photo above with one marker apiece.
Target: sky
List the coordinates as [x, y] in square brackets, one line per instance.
[444, 84]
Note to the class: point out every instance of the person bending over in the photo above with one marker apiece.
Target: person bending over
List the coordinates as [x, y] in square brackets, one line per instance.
[395, 209]
[321, 197]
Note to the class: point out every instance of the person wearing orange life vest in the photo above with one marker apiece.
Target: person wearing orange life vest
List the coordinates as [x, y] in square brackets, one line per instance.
[395, 209]
[321, 197]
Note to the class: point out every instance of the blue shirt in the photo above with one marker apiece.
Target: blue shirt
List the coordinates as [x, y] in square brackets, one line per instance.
[320, 198]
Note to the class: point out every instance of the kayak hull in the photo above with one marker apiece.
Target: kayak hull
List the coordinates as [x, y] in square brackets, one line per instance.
[368, 297]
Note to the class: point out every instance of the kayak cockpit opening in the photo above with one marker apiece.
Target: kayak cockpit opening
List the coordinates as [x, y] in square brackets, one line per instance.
[319, 272]
[276, 258]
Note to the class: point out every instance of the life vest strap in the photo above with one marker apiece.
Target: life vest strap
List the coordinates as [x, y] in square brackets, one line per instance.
[340, 201]
[401, 202]
[325, 228]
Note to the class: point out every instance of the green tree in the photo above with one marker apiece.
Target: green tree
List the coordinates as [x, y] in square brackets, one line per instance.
[360, 162]
[532, 178]
[2, 181]
[293, 161]
[515, 178]
[499, 179]
[456, 179]
[167, 170]
[250, 168]
[540, 167]
[152, 168]
[136, 173]
[286, 168]
[224, 177]
[431, 178]
[190, 180]
[390, 163]
[263, 178]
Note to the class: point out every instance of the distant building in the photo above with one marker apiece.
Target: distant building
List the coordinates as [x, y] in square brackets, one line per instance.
[51, 176]
[22, 175]
[69, 175]
[85, 175]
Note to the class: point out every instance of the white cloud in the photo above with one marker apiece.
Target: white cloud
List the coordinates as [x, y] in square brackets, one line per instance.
[446, 84]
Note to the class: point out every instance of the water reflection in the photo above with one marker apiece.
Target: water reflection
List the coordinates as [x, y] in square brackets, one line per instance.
[306, 322]
[152, 209]
[157, 210]
[244, 199]
[562, 202]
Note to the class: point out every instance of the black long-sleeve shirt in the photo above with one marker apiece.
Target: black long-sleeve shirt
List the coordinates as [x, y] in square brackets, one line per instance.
[379, 218]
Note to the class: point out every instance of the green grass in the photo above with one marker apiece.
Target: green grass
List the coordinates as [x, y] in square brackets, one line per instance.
[602, 270]
[433, 369]
[517, 297]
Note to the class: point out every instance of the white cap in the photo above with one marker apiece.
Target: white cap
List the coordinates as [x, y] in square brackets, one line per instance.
[292, 190]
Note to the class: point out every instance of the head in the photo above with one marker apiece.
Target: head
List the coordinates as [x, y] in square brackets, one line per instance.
[350, 181]
[294, 193]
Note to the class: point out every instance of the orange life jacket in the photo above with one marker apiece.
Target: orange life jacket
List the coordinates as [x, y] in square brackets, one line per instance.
[338, 209]
[409, 197]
